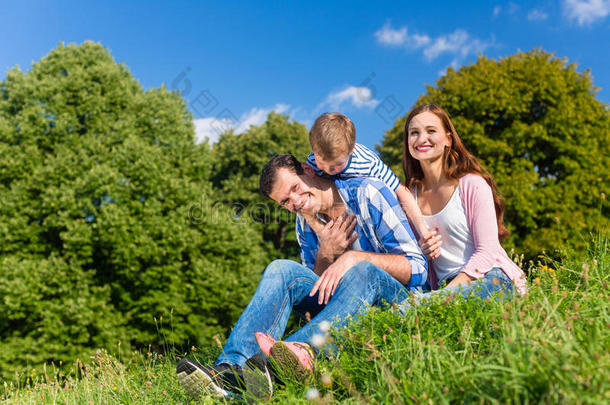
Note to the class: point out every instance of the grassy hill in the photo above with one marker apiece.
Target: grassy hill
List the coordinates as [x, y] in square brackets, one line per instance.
[552, 346]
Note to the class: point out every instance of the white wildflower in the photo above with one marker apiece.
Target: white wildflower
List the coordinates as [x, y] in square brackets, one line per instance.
[318, 340]
[312, 394]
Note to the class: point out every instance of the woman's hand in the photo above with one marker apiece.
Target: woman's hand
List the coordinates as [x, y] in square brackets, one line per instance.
[460, 279]
[431, 245]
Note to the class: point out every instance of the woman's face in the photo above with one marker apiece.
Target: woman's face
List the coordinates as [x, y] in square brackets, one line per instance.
[427, 137]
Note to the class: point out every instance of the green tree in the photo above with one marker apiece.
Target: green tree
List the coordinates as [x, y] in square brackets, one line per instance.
[238, 160]
[103, 192]
[534, 122]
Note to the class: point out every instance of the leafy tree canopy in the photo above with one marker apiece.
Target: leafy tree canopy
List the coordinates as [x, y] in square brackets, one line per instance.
[106, 221]
[238, 160]
[534, 122]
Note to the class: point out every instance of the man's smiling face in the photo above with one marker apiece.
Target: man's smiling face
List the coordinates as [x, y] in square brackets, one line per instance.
[295, 192]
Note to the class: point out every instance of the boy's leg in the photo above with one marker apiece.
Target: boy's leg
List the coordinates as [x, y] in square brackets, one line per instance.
[284, 284]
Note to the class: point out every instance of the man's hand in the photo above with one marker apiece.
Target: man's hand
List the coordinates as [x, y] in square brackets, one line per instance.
[431, 245]
[337, 236]
[328, 281]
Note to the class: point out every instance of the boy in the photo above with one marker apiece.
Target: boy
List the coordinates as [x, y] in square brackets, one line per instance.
[336, 153]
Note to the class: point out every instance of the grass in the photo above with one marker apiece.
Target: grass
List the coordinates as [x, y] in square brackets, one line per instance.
[551, 346]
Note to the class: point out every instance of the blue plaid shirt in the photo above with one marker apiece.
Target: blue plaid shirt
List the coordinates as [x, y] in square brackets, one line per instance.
[382, 226]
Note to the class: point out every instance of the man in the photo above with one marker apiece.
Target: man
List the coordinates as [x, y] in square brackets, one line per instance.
[365, 239]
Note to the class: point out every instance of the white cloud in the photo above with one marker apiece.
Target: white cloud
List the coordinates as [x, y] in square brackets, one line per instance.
[212, 127]
[537, 15]
[459, 43]
[400, 37]
[511, 8]
[359, 97]
[585, 12]
[257, 116]
[389, 36]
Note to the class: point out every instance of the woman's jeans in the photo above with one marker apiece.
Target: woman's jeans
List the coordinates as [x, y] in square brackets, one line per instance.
[493, 281]
[285, 285]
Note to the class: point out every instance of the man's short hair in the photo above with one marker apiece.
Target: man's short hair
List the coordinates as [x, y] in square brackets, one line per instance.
[332, 135]
[269, 172]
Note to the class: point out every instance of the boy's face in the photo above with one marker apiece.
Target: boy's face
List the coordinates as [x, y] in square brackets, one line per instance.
[332, 167]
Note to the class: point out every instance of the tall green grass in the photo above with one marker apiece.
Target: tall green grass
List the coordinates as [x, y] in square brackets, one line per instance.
[551, 346]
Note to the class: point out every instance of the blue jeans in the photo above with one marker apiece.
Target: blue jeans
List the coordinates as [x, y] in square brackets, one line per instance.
[285, 285]
[494, 281]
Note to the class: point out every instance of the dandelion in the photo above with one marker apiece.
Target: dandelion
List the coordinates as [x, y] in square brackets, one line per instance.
[217, 341]
[114, 388]
[324, 326]
[585, 271]
[326, 380]
[318, 340]
[537, 281]
[312, 394]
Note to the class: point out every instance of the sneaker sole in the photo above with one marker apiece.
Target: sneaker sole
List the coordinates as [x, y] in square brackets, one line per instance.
[258, 380]
[196, 382]
[289, 363]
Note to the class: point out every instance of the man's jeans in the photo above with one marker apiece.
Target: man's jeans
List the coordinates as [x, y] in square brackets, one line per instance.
[285, 285]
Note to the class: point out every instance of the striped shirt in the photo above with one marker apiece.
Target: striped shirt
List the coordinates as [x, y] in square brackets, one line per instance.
[363, 162]
[382, 226]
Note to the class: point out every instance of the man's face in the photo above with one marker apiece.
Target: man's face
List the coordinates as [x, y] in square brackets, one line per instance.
[295, 193]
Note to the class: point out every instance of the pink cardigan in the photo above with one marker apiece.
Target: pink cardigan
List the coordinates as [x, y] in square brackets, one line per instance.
[478, 203]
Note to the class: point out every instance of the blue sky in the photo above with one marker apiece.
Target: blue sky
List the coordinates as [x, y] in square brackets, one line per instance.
[236, 61]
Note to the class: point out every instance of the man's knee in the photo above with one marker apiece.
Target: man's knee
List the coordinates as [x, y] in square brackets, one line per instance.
[277, 268]
[363, 272]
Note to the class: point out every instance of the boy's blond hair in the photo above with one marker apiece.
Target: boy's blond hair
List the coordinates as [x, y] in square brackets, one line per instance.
[332, 135]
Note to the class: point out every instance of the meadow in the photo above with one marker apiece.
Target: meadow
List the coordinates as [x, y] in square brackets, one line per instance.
[550, 346]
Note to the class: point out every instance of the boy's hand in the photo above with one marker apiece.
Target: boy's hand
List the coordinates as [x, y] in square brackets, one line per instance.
[338, 235]
[431, 245]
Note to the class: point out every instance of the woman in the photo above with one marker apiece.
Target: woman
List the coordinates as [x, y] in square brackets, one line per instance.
[460, 201]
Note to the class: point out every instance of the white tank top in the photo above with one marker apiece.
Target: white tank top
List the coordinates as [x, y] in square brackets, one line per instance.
[457, 244]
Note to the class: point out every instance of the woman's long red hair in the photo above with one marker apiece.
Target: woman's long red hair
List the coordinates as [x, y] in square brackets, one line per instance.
[457, 162]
